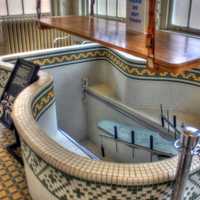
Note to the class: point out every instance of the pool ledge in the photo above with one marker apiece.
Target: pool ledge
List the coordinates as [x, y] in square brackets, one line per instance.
[77, 166]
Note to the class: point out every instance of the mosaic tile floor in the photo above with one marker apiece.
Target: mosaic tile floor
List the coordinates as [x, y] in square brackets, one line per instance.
[12, 180]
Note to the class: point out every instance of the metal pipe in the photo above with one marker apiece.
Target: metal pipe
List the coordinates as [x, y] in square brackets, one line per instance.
[151, 147]
[116, 137]
[151, 143]
[132, 137]
[188, 141]
[133, 142]
[102, 148]
[162, 116]
[92, 7]
[172, 125]
[168, 125]
[175, 126]
[102, 151]
[115, 133]
[38, 9]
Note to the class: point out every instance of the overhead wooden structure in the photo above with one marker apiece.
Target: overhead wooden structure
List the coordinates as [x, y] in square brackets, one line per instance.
[164, 51]
[151, 33]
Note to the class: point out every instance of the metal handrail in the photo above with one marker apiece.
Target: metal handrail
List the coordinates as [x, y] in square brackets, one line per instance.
[65, 38]
[161, 131]
[60, 38]
[188, 146]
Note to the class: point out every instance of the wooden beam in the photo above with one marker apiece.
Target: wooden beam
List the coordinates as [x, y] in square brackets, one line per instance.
[151, 34]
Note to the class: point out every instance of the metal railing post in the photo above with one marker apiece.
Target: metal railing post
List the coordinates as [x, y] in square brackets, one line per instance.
[92, 7]
[188, 142]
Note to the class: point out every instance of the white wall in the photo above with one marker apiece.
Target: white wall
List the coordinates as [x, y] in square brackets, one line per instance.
[71, 109]
[148, 94]
[48, 121]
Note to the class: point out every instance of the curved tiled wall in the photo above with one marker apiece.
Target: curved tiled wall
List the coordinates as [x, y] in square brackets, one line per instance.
[69, 176]
[66, 175]
[135, 85]
[131, 66]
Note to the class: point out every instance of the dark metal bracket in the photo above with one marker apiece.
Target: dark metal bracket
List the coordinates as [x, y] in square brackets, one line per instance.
[12, 148]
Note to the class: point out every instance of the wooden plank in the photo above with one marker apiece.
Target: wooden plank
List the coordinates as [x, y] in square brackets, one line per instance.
[174, 52]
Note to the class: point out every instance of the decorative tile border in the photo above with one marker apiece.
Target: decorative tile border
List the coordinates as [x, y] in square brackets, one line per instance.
[131, 68]
[43, 101]
[64, 186]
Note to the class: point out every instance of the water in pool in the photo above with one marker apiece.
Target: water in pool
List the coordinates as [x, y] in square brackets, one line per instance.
[128, 144]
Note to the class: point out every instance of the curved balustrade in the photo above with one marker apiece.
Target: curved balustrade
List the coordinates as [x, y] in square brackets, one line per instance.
[55, 172]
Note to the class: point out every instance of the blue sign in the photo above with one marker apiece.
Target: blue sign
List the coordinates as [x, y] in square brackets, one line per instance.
[135, 15]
